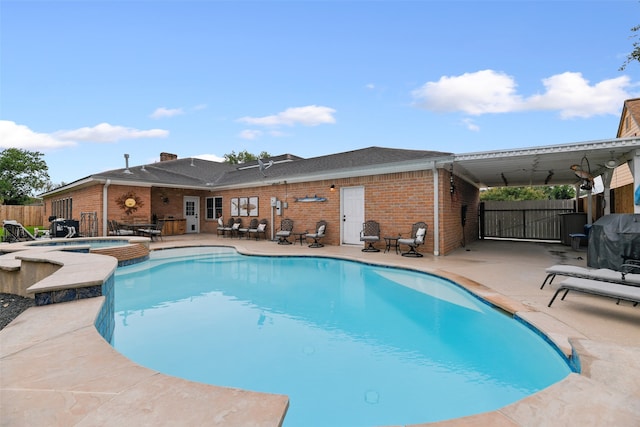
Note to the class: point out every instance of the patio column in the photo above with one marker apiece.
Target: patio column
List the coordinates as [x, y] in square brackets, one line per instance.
[105, 205]
[436, 211]
[634, 165]
[606, 181]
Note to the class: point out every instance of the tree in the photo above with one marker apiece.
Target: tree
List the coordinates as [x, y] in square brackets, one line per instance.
[22, 173]
[528, 193]
[560, 192]
[635, 53]
[244, 157]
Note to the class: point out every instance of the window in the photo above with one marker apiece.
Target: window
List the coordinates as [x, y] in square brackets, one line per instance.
[214, 208]
[62, 208]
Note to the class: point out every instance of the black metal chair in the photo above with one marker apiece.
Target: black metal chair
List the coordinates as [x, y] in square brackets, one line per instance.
[321, 229]
[286, 228]
[418, 235]
[227, 228]
[370, 234]
[235, 228]
[244, 231]
[220, 229]
[261, 230]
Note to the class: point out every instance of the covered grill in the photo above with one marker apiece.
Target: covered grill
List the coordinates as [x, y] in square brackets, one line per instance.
[613, 239]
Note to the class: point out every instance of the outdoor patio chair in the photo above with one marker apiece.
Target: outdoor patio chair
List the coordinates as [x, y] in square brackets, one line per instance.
[321, 228]
[220, 229]
[244, 231]
[115, 229]
[628, 274]
[418, 233]
[15, 232]
[598, 287]
[261, 229]
[286, 228]
[227, 228]
[153, 232]
[370, 234]
[235, 228]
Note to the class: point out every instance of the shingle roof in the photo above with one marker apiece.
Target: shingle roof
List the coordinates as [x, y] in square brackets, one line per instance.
[192, 172]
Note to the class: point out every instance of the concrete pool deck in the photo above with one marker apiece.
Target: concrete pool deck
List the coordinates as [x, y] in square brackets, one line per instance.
[55, 369]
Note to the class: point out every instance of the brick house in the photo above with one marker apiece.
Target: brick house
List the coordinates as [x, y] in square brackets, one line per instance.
[392, 186]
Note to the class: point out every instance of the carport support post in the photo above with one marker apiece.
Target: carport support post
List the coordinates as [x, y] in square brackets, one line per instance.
[634, 165]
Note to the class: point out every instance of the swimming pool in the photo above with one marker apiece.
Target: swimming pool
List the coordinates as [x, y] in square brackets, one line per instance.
[93, 243]
[350, 344]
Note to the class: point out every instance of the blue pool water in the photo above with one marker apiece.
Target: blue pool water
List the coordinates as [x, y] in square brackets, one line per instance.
[350, 344]
[93, 244]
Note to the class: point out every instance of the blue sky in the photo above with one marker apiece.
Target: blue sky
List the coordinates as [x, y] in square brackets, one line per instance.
[86, 81]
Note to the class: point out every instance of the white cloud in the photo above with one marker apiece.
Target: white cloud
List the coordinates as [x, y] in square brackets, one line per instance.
[13, 135]
[162, 113]
[105, 132]
[470, 124]
[210, 157]
[250, 134]
[476, 93]
[489, 91]
[370, 86]
[311, 115]
[574, 97]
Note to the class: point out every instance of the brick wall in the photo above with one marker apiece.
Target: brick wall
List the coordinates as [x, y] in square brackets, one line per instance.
[395, 200]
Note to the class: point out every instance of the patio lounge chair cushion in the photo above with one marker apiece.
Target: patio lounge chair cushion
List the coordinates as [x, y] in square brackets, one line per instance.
[602, 274]
[598, 287]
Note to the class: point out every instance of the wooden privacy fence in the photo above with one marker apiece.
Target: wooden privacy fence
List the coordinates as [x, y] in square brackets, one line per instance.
[531, 219]
[25, 215]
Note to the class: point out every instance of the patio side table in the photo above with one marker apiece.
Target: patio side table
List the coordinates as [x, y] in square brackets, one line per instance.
[391, 241]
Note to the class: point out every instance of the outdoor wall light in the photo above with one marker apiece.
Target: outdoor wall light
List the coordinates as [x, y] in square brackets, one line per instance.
[332, 188]
[452, 185]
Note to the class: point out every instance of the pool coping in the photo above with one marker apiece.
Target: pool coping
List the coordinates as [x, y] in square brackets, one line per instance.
[93, 384]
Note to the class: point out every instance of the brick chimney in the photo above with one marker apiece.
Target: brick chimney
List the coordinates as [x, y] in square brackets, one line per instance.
[168, 156]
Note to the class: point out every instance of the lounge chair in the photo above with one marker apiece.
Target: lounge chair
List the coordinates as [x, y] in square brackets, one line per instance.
[627, 275]
[244, 231]
[15, 232]
[321, 228]
[418, 233]
[370, 234]
[598, 287]
[260, 229]
[286, 228]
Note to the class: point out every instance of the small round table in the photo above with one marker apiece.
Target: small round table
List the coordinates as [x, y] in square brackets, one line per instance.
[391, 241]
[300, 237]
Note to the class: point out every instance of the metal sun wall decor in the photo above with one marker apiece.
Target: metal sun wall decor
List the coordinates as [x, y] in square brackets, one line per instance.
[129, 202]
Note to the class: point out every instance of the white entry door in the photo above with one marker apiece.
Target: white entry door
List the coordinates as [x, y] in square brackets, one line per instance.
[191, 213]
[352, 207]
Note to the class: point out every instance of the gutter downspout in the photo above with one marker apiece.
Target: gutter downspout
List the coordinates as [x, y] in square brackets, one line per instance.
[105, 193]
[436, 211]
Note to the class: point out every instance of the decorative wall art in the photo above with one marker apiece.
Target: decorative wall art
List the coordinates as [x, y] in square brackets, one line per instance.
[244, 201]
[315, 198]
[129, 202]
[253, 206]
[235, 206]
